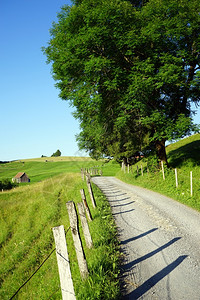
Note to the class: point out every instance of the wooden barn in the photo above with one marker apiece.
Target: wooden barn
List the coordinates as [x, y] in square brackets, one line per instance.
[21, 177]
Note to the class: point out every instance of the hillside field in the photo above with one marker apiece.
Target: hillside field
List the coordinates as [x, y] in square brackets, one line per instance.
[29, 211]
[184, 156]
[28, 214]
[41, 168]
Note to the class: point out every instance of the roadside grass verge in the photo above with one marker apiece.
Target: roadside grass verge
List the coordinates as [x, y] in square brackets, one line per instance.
[27, 215]
[154, 181]
[182, 155]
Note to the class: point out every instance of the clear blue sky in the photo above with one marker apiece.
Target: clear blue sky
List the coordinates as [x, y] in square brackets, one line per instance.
[34, 121]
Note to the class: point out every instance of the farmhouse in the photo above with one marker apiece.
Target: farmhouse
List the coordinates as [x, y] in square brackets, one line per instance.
[21, 177]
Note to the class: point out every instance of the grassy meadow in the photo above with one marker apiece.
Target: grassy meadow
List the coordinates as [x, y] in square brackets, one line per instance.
[28, 214]
[42, 168]
[29, 211]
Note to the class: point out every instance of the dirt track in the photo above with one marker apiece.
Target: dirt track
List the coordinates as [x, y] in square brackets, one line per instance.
[160, 239]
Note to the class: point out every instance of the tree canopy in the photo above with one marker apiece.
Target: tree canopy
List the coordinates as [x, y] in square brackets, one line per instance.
[57, 153]
[131, 70]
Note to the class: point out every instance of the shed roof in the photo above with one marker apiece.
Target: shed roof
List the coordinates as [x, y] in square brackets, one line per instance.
[19, 175]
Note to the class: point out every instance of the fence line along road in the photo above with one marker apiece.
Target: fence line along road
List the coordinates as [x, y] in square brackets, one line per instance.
[160, 242]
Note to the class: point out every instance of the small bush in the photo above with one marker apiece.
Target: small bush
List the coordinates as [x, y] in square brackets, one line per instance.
[6, 184]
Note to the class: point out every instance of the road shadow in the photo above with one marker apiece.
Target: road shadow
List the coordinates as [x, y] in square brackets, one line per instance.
[152, 281]
[122, 212]
[148, 255]
[138, 237]
[120, 200]
[118, 205]
[110, 195]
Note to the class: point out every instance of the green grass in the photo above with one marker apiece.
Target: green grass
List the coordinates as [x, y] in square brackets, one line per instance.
[182, 155]
[40, 170]
[185, 152]
[27, 215]
[110, 168]
[29, 212]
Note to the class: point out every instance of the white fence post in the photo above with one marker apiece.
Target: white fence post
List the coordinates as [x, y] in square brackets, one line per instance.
[66, 283]
[163, 171]
[191, 188]
[176, 177]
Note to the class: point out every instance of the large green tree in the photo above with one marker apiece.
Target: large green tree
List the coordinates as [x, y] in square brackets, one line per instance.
[166, 78]
[131, 69]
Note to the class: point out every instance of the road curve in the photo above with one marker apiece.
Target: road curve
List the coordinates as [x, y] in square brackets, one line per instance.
[160, 240]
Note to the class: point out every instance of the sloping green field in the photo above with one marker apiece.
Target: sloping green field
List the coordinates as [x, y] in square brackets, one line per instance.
[29, 211]
[183, 155]
[40, 169]
[28, 214]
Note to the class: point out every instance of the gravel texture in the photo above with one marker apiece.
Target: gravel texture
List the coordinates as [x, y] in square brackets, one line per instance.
[160, 242]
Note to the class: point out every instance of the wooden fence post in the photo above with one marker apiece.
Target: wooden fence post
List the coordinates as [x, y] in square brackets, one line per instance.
[124, 168]
[88, 177]
[82, 174]
[86, 231]
[142, 170]
[76, 238]
[66, 283]
[163, 171]
[176, 178]
[191, 187]
[91, 194]
[85, 204]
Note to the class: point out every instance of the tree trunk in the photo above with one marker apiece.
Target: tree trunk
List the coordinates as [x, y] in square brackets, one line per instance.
[161, 151]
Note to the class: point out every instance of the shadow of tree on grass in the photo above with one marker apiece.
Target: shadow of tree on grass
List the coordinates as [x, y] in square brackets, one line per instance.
[188, 153]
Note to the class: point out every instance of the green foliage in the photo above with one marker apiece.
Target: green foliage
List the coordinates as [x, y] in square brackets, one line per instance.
[6, 184]
[131, 70]
[57, 153]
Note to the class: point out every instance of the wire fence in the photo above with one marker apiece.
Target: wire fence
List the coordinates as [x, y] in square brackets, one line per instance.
[184, 180]
[35, 272]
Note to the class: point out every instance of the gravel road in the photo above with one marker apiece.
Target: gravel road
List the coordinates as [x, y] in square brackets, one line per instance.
[160, 242]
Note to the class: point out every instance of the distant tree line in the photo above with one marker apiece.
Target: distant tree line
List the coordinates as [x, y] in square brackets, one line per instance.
[132, 71]
[57, 153]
